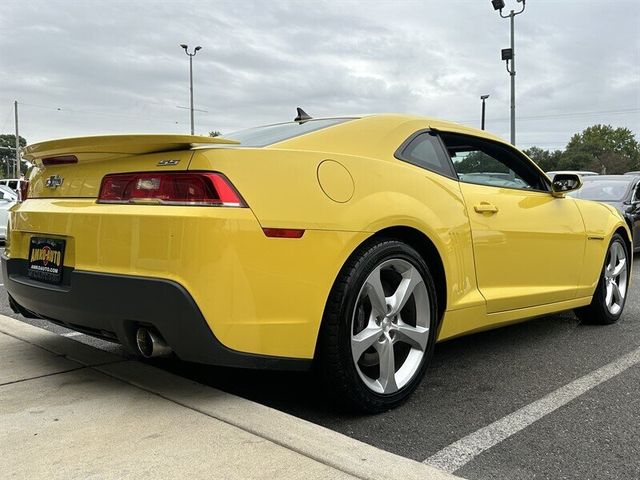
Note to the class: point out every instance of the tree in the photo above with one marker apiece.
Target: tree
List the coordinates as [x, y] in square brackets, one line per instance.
[8, 152]
[545, 159]
[577, 160]
[214, 133]
[477, 162]
[599, 148]
[604, 148]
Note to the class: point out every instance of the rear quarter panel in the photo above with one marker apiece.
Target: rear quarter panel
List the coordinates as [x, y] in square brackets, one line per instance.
[281, 187]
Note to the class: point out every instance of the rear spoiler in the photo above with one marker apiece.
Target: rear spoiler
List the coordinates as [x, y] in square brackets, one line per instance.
[119, 144]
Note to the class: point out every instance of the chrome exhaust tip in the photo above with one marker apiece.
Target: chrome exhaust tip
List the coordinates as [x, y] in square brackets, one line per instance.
[151, 344]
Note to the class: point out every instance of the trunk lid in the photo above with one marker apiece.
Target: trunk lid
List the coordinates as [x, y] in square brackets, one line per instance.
[98, 156]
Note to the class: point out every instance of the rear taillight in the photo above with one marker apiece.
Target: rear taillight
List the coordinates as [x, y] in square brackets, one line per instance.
[23, 191]
[170, 188]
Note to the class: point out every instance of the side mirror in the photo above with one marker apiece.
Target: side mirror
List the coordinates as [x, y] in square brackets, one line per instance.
[564, 183]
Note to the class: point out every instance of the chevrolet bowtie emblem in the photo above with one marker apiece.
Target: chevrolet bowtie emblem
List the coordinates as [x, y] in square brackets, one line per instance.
[54, 181]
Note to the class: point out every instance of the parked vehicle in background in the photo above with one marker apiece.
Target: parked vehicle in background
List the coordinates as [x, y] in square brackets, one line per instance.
[7, 199]
[492, 178]
[13, 183]
[620, 191]
[574, 172]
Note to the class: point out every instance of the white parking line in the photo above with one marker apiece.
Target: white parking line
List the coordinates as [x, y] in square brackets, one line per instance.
[72, 334]
[460, 453]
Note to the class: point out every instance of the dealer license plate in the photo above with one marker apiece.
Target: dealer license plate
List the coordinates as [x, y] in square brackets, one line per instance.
[46, 256]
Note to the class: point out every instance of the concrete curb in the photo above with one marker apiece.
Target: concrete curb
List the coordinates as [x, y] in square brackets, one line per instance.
[313, 441]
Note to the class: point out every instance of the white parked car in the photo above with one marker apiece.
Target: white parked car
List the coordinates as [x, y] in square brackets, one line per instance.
[8, 198]
[13, 183]
[572, 172]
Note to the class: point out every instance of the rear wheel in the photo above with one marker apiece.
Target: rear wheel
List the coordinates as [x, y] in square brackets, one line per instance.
[379, 327]
[611, 292]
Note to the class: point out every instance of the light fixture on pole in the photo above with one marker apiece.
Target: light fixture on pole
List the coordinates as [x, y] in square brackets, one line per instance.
[509, 55]
[483, 98]
[191, 55]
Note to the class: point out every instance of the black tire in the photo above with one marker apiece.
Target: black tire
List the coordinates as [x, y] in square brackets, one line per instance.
[335, 361]
[597, 312]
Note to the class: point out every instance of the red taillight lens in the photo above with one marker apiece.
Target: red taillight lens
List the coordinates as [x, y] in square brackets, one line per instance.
[170, 188]
[60, 160]
[23, 191]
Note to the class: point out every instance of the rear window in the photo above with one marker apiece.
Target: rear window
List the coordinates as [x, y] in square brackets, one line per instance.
[269, 134]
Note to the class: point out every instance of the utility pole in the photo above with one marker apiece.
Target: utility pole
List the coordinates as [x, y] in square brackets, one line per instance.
[191, 55]
[512, 74]
[509, 54]
[17, 165]
[483, 98]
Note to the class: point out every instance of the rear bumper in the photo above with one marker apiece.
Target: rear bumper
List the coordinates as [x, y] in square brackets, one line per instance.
[112, 306]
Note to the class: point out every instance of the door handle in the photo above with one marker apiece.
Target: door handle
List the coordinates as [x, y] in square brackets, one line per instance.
[485, 207]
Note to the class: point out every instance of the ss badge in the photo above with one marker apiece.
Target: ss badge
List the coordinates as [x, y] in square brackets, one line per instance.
[167, 163]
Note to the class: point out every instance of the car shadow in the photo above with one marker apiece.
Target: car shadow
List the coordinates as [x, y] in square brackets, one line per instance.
[301, 393]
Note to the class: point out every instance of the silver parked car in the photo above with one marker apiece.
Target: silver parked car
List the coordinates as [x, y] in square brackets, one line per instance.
[620, 191]
[8, 198]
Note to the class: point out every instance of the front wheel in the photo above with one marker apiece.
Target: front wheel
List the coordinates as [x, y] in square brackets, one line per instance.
[611, 292]
[379, 327]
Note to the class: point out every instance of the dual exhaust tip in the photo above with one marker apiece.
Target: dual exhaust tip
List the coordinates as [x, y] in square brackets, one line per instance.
[151, 344]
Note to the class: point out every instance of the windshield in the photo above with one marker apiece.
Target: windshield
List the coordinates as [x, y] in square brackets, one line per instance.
[603, 190]
[269, 134]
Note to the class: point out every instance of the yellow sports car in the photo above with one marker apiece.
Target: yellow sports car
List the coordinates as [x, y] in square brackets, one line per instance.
[352, 242]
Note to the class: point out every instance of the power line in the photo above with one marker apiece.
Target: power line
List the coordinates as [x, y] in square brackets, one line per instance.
[566, 115]
[94, 112]
[7, 120]
[546, 144]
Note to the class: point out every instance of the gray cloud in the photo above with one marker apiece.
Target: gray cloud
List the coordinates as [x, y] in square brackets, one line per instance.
[88, 67]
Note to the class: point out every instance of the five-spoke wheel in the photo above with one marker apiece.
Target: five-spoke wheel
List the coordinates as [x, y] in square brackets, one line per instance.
[379, 326]
[615, 277]
[610, 295]
[390, 326]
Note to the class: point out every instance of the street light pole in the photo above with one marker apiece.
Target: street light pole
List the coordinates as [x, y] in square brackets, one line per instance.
[191, 91]
[510, 55]
[512, 74]
[483, 98]
[16, 171]
[191, 55]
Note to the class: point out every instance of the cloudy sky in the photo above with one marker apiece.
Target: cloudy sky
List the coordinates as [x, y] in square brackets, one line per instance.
[90, 67]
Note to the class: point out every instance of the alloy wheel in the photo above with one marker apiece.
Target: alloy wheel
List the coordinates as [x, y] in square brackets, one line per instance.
[390, 326]
[615, 278]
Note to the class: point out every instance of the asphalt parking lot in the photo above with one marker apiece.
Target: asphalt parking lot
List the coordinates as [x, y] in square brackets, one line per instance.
[550, 398]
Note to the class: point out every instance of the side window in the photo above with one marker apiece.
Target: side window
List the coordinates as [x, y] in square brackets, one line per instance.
[636, 198]
[13, 185]
[490, 163]
[424, 150]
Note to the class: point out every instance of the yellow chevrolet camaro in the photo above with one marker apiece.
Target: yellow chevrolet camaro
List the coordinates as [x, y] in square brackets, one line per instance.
[353, 242]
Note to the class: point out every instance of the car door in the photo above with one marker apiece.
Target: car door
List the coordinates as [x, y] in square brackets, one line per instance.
[528, 245]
